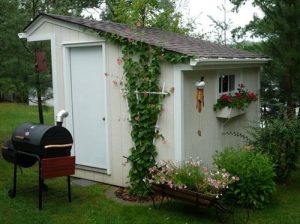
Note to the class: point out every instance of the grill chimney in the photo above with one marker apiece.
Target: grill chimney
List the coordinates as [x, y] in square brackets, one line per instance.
[60, 117]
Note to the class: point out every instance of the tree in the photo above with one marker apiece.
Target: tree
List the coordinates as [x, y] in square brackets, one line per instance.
[13, 56]
[150, 13]
[280, 32]
[221, 27]
[63, 7]
[17, 57]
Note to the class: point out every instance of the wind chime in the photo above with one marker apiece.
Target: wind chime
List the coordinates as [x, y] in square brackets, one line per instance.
[200, 94]
[199, 98]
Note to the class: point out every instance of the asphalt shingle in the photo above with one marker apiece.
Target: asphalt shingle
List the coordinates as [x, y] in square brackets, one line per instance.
[156, 37]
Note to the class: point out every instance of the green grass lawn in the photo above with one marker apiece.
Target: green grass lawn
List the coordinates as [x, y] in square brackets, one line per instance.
[13, 114]
[92, 205]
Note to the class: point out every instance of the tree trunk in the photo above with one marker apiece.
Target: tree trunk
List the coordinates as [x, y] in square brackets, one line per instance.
[289, 97]
[39, 98]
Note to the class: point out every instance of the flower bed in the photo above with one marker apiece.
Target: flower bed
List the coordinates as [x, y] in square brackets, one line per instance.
[195, 184]
[192, 175]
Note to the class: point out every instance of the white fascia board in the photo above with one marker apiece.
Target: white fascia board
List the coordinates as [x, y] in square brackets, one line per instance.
[43, 19]
[227, 61]
[22, 35]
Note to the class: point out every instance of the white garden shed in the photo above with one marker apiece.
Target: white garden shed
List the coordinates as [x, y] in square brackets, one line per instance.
[87, 72]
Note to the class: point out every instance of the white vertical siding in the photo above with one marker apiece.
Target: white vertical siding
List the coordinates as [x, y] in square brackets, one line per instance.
[166, 118]
[212, 128]
[205, 122]
[241, 123]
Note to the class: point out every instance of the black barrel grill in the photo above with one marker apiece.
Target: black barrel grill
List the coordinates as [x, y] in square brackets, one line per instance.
[22, 160]
[43, 140]
[50, 146]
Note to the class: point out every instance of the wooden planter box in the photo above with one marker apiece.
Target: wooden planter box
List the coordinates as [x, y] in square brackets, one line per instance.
[191, 197]
[225, 214]
[228, 113]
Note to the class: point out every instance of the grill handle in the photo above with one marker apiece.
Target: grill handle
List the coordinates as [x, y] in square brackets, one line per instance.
[58, 146]
[20, 138]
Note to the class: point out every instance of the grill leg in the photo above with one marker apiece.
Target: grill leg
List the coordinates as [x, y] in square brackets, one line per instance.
[12, 192]
[40, 187]
[69, 188]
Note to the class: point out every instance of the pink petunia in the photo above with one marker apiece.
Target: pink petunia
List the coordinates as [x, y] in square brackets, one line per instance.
[238, 95]
[242, 85]
[252, 96]
[119, 61]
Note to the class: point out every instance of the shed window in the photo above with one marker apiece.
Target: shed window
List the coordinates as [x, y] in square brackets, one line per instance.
[226, 83]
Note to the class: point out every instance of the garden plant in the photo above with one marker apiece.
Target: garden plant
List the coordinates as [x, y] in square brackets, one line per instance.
[256, 176]
[279, 138]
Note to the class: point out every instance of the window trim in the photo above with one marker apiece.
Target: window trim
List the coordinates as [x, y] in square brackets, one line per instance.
[221, 83]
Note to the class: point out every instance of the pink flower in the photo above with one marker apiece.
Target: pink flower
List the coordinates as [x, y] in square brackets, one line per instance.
[171, 90]
[119, 61]
[238, 95]
[252, 96]
[227, 98]
[161, 57]
[242, 85]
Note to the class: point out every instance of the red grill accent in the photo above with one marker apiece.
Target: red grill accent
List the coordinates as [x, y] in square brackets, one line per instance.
[57, 167]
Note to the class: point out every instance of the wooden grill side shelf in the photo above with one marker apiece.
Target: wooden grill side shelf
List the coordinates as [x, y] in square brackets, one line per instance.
[57, 167]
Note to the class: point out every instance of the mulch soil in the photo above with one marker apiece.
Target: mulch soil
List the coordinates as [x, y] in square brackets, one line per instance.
[123, 194]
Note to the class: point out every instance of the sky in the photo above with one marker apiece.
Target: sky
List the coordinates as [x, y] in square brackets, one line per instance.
[201, 9]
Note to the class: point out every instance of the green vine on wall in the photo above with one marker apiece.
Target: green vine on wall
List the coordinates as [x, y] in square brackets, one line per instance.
[141, 64]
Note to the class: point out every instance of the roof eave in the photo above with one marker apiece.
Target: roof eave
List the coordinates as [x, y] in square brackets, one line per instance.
[227, 61]
[22, 35]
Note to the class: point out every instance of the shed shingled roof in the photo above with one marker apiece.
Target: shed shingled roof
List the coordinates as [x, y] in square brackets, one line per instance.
[157, 37]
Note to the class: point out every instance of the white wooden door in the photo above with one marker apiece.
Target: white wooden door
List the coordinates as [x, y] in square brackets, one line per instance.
[88, 105]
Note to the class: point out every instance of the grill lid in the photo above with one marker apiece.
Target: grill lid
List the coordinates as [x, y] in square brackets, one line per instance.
[44, 136]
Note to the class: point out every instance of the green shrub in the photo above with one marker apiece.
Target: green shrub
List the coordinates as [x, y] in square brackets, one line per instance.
[255, 170]
[280, 138]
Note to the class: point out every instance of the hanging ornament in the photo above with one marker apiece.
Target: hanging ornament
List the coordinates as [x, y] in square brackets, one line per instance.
[200, 95]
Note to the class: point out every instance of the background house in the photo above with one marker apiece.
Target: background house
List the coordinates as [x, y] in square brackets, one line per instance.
[87, 73]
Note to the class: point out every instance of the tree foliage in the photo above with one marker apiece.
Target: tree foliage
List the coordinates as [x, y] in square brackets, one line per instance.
[221, 27]
[63, 7]
[18, 77]
[280, 32]
[151, 13]
[14, 57]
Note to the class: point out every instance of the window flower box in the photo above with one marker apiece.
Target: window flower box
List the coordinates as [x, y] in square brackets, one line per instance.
[228, 112]
[235, 103]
